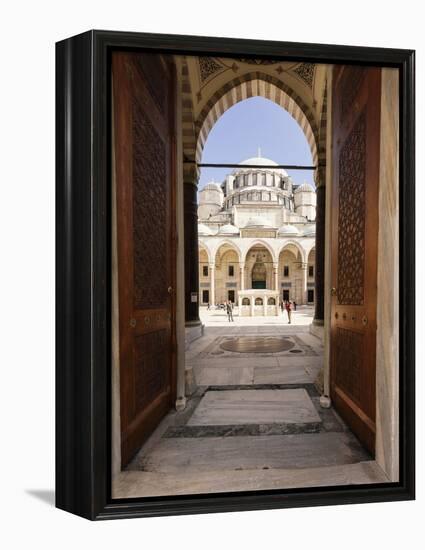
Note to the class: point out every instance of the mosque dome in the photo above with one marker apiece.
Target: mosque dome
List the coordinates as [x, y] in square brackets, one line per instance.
[304, 188]
[228, 229]
[261, 161]
[288, 231]
[204, 230]
[257, 221]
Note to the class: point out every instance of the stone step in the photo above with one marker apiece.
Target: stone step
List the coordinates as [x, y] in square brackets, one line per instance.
[190, 455]
[254, 407]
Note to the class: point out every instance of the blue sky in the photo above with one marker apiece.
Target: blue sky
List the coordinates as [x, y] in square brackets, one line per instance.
[253, 123]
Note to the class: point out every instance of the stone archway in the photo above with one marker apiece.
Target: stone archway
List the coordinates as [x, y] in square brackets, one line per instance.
[306, 106]
[252, 85]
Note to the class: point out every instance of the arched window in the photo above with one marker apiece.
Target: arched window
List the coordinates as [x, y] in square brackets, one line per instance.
[246, 302]
[258, 301]
[271, 302]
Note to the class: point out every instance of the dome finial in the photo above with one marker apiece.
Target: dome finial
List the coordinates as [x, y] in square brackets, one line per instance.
[259, 152]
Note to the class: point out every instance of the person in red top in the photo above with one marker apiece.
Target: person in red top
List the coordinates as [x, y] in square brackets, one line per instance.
[288, 307]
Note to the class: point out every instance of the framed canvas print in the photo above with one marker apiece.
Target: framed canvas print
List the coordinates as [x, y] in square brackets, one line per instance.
[235, 282]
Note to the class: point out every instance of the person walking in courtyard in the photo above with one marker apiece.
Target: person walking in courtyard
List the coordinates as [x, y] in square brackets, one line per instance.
[282, 306]
[208, 306]
[288, 307]
[295, 305]
[229, 309]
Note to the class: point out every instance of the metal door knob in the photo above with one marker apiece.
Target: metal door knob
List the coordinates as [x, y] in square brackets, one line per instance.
[170, 290]
[333, 291]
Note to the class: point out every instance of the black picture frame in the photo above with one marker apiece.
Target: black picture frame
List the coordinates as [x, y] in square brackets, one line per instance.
[83, 404]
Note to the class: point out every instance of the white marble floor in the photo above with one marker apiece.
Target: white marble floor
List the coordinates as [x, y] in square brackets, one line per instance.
[218, 408]
[303, 316]
[254, 423]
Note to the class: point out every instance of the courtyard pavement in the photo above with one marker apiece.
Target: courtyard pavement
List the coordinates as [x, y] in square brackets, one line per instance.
[303, 316]
[255, 420]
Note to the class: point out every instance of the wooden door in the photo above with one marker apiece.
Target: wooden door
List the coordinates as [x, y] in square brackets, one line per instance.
[355, 158]
[143, 106]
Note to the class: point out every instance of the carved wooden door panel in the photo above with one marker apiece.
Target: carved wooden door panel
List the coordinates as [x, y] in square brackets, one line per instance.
[355, 169]
[143, 105]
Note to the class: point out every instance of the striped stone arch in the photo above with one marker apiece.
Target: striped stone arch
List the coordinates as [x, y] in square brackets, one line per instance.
[251, 85]
[321, 172]
[188, 124]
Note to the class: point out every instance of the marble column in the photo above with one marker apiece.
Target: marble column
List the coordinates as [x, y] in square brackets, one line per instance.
[242, 277]
[276, 277]
[320, 248]
[304, 268]
[241, 280]
[191, 250]
[212, 284]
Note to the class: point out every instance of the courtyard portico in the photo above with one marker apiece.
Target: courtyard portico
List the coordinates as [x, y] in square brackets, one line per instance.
[230, 265]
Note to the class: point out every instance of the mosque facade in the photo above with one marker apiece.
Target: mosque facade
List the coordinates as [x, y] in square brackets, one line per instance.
[256, 232]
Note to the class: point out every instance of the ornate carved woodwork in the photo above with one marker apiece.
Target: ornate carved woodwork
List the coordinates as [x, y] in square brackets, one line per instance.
[150, 197]
[356, 100]
[351, 217]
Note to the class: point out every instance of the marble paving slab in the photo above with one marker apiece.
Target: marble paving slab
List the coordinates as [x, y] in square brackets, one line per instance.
[131, 484]
[282, 375]
[252, 452]
[254, 406]
[235, 362]
[225, 376]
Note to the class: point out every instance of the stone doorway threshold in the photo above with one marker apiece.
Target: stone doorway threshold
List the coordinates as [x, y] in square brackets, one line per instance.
[293, 443]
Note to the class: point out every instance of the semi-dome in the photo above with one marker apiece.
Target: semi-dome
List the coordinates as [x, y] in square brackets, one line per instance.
[310, 231]
[257, 221]
[304, 188]
[288, 230]
[204, 230]
[228, 229]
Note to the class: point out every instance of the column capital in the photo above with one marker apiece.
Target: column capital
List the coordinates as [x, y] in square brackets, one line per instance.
[320, 176]
[191, 173]
[211, 265]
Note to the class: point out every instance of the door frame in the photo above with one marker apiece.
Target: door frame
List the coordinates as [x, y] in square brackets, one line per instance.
[83, 366]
